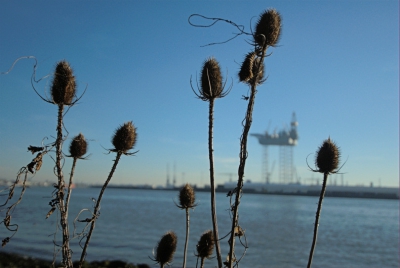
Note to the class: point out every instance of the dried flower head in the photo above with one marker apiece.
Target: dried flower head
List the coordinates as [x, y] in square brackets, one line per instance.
[211, 79]
[64, 86]
[205, 246]
[166, 248]
[250, 67]
[246, 70]
[327, 157]
[187, 197]
[124, 138]
[211, 86]
[268, 28]
[78, 146]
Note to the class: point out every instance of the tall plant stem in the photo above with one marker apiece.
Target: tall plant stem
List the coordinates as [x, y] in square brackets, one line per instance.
[243, 156]
[97, 207]
[71, 177]
[66, 252]
[212, 184]
[187, 238]
[317, 215]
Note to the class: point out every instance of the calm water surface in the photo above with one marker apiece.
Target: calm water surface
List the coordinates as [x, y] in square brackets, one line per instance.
[279, 229]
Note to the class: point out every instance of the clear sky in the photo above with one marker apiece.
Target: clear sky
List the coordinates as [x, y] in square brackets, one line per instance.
[336, 66]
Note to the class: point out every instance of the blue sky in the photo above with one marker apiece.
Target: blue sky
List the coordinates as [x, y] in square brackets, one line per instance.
[336, 66]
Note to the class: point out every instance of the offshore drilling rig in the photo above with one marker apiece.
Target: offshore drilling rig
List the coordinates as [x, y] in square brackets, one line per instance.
[286, 140]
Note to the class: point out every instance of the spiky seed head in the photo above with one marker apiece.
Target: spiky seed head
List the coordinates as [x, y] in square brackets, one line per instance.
[78, 146]
[246, 70]
[64, 86]
[187, 196]
[166, 248]
[205, 246]
[211, 79]
[124, 137]
[327, 157]
[268, 28]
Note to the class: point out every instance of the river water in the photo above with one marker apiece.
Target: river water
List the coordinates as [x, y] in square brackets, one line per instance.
[279, 229]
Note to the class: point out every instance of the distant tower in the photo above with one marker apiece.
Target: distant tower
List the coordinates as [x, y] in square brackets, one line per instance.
[174, 176]
[168, 181]
[286, 140]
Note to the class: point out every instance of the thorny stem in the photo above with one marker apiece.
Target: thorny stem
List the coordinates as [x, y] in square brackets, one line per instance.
[187, 237]
[97, 208]
[314, 242]
[71, 177]
[213, 202]
[242, 163]
[60, 193]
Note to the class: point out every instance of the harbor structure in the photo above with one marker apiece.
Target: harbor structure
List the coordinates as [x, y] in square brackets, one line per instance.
[285, 139]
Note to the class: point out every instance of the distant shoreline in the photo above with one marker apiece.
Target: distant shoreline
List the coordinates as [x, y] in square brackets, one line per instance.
[222, 189]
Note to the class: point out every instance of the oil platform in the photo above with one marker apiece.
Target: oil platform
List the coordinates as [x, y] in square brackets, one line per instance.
[286, 139]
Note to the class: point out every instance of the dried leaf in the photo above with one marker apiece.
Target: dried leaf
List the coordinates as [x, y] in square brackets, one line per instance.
[50, 212]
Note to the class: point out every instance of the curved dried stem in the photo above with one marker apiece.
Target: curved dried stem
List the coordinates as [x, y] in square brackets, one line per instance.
[71, 177]
[240, 28]
[97, 207]
[316, 224]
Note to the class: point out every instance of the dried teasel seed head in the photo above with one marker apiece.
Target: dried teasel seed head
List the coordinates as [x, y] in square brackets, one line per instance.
[211, 79]
[166, 248]
[246, 70]
[78, 146]
[64, 86]
[327, 157]
[268, 28]
[187, 197]
[124, 138]
[205, 246]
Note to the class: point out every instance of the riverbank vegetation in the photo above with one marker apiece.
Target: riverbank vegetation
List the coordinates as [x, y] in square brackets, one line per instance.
[10, 260]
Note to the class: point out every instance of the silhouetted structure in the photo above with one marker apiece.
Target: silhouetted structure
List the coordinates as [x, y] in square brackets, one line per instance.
[286, 140]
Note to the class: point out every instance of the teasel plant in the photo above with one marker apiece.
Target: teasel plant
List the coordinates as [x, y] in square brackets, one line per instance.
[165, 250]
[63, 93]
[267, 33]
[205, 247]
[211, 88]
[77, 149]
[187, 198]
[327, 160]
[124, 139]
